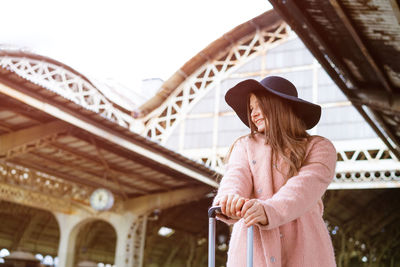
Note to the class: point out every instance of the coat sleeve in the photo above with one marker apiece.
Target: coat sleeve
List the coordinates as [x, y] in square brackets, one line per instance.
[302, 191]
[237, 178]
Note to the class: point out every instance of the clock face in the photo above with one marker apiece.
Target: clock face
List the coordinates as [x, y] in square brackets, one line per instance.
[101, 199]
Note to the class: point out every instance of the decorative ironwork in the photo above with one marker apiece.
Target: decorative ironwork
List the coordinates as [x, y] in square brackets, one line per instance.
[163, 120]
[135, 242]
[368, 176]
[69, 85]
[33, 199]
[41, 185]
[365, 164]
[360, 164]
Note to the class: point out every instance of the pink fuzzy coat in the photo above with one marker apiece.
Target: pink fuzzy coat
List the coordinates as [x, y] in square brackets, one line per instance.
[296, 235]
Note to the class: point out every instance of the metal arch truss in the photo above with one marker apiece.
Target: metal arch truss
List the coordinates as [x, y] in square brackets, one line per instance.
[135, 242]
[361, 164]
[69, 85]
[163, 121]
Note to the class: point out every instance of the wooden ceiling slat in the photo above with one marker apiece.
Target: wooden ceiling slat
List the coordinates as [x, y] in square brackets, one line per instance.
[361, 45]
[140, 159]
[5, 115]
[131, 174]
[98, 176]
[21, 113]
[6, 127]
[8, 105]
[105, 145]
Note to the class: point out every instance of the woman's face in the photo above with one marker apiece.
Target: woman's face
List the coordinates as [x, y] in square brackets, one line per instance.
[257, 116]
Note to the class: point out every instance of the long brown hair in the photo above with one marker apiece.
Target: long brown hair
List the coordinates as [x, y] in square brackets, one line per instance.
[285, 132]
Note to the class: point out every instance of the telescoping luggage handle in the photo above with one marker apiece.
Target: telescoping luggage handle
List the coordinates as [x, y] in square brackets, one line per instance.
[212, 212]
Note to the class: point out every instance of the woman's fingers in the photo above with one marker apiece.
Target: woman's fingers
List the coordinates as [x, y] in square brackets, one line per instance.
[232, 205]
[254, 221]
[236, 205]
[251, 213]
[253, 218]
[222, 203]
[254, 213]
[239, 205]
[228, 206]
[247, 205]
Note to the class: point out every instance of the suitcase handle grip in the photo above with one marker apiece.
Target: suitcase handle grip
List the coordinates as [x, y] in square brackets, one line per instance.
[213, 211]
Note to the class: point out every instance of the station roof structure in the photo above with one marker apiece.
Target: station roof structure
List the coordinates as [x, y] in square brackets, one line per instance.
[358, 44]
[61, 139]
[55, 122]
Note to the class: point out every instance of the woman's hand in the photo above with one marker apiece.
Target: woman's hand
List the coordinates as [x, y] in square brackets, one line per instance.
[253, 212]
[231, 205]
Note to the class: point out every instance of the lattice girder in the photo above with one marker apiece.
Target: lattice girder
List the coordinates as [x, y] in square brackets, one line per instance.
[60, 80]
[361, 164]
[163, 121]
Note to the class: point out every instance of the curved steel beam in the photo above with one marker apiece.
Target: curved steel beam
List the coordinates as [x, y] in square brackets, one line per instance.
[164, 119]
[65, 82]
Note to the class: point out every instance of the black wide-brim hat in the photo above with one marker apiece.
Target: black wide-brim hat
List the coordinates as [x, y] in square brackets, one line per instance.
[236, 97]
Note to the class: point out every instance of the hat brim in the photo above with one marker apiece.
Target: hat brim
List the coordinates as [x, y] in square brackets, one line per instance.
[236, 97]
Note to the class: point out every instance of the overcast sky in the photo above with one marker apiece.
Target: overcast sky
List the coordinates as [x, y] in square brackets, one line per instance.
[127, 41]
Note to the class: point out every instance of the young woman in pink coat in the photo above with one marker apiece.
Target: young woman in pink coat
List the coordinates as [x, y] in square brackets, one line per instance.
[275, 178]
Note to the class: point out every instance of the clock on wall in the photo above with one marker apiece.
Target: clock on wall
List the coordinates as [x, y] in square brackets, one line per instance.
[101, 199]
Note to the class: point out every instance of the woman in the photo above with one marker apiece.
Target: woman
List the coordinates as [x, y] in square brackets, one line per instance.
[275, 178]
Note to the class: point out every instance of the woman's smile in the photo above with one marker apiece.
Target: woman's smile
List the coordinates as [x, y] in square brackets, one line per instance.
[257, 116]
